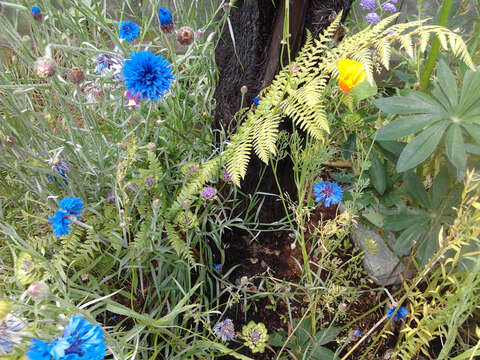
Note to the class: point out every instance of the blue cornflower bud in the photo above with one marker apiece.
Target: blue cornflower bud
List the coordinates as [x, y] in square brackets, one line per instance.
[36, 13]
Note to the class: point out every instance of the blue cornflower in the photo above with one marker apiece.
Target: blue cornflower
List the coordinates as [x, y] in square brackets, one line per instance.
[107, 63]
[147, 74]
[128, 30]
[256, 100]
[328, 192]
[61, 222]
[9, 333]
[36, 13]
[72, 205]
[80, 340]
[368, 4]
[217, 267]
[166, 20]
[401, 313]
[372, 18]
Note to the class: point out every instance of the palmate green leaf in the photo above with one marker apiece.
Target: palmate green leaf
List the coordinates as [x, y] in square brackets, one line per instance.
[455, 149]
[447, 83]
[405, 125]
[470, 94]
[413, 103]
[407, 238]
[399, 222]
[377, 172]
[422, 146]
[415, 188]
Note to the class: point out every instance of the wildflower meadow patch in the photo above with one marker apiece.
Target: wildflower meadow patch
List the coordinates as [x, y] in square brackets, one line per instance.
[239, 180]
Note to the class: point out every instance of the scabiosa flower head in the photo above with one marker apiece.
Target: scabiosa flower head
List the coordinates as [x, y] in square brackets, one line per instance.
[9, 333]
[149, 181]
[72, 205]
[208, 193]
[147, 74]
[36, 13]
[368, 4]
[255, 336]
[27, 269]
[389, 7]
[45, 67]
[132, 98]
[328, 192]
[401, 313]
[128, 30]
[185, 35]
[166, 20]
[225, 330]
[227, 176]
[256, 100]
[76, 75]
[81, 340]
[372, 18]
[110, 197]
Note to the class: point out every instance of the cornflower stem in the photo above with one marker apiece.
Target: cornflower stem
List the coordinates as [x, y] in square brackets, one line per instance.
[48, 49]
[74, 219]
[425, 80]
[14, 6]
[359, 342]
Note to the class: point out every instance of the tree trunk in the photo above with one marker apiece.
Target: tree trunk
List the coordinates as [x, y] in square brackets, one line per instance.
[253, 62]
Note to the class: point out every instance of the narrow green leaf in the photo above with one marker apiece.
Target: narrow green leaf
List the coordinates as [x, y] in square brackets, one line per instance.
[421, 146]
[393, 147]
[455, 149]
[404, 126]
[427, 247]
[439, 190]
[378, 175]
[364, 90]
[415, 188]
[324, 336]
[473, 130]
[472, 149]
[414, 102]
[470, 94]
[447, 83]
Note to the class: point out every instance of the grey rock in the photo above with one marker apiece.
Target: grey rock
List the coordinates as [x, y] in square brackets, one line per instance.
[380, 263]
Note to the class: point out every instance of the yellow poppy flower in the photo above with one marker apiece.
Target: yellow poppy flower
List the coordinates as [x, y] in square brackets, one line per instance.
[350, 74]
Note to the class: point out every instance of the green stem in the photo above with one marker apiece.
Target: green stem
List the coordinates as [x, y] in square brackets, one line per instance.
[14, 6]
[425, 80]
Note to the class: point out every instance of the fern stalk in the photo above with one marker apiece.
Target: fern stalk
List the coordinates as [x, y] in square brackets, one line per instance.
[425, 80]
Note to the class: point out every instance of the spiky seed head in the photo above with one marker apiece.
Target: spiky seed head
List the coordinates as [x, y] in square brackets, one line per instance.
[45, 67]
[185, 35]
[76, 75]
[38, 291]
[9, 140]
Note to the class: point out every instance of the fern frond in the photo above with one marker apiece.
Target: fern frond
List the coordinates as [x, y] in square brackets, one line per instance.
[179, 245]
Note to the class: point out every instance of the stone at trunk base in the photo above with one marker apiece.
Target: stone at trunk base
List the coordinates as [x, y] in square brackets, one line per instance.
[380, 264]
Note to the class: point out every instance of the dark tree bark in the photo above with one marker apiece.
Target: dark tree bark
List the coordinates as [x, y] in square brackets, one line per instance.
[257, 28]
